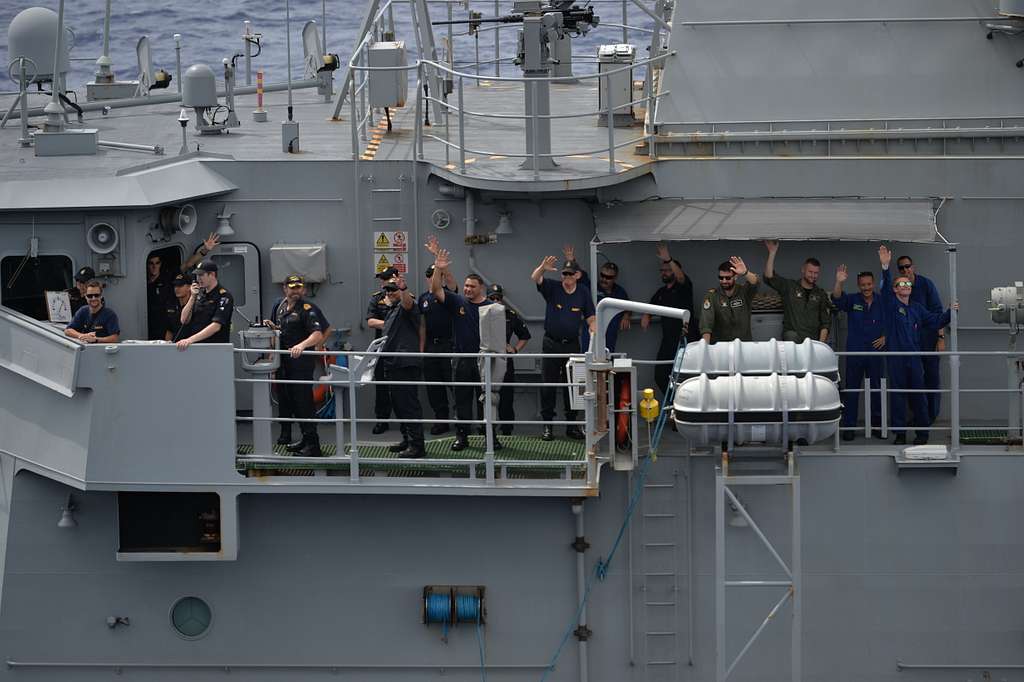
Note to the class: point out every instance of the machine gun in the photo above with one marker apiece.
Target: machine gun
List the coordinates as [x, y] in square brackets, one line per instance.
[576, 20]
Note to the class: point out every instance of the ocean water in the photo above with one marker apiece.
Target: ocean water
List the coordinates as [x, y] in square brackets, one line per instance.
[212, 31]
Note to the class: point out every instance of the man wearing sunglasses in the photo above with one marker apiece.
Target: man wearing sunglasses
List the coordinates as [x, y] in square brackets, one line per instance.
[905, 320]
[926, 293]
[94, 322]
[725, 313]
[676, 292]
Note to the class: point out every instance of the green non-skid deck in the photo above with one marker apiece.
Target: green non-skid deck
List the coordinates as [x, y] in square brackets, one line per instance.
[517, 449]
[989, 437]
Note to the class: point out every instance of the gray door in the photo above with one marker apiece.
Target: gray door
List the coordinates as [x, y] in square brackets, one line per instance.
[238, 271]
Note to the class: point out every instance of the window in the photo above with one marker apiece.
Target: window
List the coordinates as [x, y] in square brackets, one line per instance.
[191, 617]
[24, 280]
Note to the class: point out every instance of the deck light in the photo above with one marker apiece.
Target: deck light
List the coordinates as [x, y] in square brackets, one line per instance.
[67, 514]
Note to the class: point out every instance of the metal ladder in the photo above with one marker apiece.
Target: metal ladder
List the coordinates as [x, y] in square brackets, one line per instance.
[660, 509]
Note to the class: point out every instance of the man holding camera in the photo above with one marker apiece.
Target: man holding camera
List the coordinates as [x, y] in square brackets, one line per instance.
[207, 315]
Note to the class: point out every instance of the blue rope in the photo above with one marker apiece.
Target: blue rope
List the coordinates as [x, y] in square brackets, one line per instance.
[601, 567]
[467, 609]
[439, 610]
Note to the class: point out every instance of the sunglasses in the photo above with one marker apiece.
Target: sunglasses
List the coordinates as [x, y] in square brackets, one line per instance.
[568, 274]
[904, 285]
[725, 277]
[93, 295]
[905, 266]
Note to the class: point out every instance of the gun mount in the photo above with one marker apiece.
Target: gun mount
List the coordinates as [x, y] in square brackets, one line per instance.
[544, 50]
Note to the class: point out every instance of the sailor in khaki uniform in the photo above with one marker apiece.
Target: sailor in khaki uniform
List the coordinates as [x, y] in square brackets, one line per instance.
[725, 312]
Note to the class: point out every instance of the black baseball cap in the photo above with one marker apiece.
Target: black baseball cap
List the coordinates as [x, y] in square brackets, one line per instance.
[495, 291]
[206, 266]
[180, 280]
[570, 266]
[294, 281]
[387, 274]
[85, 274]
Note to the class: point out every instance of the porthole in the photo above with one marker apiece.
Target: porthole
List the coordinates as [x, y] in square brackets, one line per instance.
[191, 617]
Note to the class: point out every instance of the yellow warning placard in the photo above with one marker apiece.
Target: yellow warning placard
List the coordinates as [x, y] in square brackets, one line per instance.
[397, 241]
[381, 262]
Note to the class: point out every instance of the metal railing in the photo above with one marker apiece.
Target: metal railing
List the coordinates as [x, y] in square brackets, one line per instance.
[438, 75]
[347, 421]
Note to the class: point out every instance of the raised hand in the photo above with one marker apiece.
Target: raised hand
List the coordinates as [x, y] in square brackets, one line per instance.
[442, 259]
[772, 245]
[432, 244]
[400, 281]
[211, 242]
[549, 263]
[739, 268]
[569, 251]
[842, 274]
[884, 256]
[663, 253]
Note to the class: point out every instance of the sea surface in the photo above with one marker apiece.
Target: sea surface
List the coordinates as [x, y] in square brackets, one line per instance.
[212, 31]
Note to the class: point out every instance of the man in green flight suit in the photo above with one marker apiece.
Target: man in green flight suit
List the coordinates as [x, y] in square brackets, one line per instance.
[806, 309]
[725, 313]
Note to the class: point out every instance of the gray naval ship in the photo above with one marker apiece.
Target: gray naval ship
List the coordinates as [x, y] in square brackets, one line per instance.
[150, 528]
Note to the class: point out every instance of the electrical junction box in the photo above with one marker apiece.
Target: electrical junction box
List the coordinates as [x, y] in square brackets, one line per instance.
[618, 87]
[308, 260]
[388, 88]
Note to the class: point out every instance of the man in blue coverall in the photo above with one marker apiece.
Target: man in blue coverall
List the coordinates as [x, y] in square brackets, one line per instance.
[926, 293]
[865, 331]
[905, 320]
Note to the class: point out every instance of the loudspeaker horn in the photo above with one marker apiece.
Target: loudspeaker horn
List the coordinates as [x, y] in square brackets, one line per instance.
[182, 218]
[102, 238]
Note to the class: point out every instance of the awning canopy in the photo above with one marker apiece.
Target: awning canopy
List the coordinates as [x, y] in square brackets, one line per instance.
[911, 220]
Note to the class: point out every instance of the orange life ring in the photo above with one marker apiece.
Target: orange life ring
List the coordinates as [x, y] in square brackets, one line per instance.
[322, 391]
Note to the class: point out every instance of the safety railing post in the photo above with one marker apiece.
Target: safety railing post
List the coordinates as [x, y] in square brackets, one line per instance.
[488, 425]
[353, 451]
[447, 127]
[462, 129]
[954, 405]
[353, 118]
[867, 408]
[497, 40]
[883, 386]
[610, 113]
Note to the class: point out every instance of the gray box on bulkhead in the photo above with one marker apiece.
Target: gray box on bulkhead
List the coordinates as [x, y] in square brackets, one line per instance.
[308, 260]
[388, 88]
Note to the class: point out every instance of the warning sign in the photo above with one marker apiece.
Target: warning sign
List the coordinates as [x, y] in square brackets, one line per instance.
[380, 262]
[391, 241]
[398, 263]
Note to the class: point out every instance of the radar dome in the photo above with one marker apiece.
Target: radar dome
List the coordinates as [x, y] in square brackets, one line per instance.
[199, 87]
[33, 34]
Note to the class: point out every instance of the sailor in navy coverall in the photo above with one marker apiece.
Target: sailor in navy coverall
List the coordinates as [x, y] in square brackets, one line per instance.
[926, 293]
[865, 325]
[905, 319]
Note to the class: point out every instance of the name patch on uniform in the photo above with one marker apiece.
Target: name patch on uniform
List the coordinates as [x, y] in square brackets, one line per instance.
[575, 310]
[902, 311]
[858, 306]
[738, 303]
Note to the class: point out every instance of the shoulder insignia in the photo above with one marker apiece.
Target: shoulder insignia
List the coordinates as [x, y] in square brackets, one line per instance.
[711, 291]
[223, 291]
[306, 306]
[707, 304]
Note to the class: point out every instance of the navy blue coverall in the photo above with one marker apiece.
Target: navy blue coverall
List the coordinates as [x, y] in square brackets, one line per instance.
[927, 294]
[864, 324]
[904, 324]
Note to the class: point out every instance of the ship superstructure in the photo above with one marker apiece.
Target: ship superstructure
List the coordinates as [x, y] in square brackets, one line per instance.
[149, 527]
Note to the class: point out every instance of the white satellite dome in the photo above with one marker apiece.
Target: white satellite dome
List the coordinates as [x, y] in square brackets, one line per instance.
[33, 34]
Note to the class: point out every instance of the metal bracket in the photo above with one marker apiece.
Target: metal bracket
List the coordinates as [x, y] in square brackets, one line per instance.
[583, 633]
[580, 544]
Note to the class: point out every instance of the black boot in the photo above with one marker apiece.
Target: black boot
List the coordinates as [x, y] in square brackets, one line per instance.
[413, 452]
[312, 447]
[297, 445]
[548, 433]
[461, 441]
[901, 439]
[399, 447]
[286, 435]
